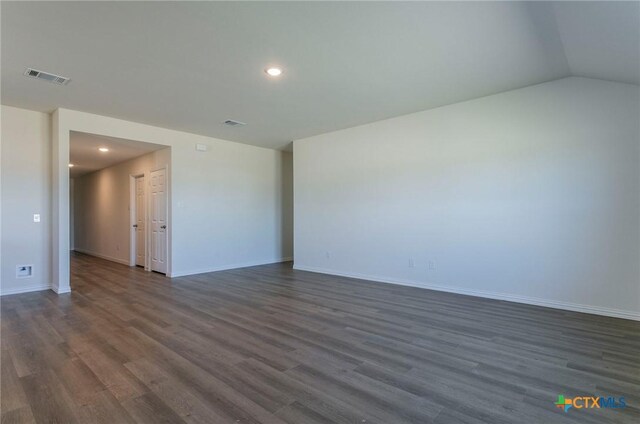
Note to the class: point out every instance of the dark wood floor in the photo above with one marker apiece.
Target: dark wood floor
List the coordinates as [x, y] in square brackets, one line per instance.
[272, 345]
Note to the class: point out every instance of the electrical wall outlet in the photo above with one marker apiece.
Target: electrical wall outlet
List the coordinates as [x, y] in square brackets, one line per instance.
[431, 265]
[24, 271]
[411, 263]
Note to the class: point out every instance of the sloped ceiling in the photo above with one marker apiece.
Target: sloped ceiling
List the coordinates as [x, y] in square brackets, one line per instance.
[601, 39]
[191, 65]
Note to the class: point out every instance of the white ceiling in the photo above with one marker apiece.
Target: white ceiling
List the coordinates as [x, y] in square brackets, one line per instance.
[86, 158]
[191, 65]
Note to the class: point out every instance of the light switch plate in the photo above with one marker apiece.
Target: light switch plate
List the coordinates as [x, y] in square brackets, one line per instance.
[36, 217]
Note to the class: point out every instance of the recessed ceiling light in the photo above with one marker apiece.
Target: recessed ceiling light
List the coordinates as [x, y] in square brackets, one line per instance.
[103, 149]
[70, 165]
[273, 72]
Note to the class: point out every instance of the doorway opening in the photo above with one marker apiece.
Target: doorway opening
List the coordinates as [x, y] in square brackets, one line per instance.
[119, 200]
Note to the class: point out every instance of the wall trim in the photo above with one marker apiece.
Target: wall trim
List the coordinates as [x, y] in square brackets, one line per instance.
[228, 267]
[568, 306]
[62, 290]
[101, 256]
[26, 289]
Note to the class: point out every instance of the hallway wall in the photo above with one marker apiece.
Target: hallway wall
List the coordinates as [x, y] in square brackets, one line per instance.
[101, 207]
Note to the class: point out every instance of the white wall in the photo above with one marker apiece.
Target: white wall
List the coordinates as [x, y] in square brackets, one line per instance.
[228, 204]
[531, 195]
[101, 206]
[286, 201]
[71, 215]
[25, 168]
[230, 207]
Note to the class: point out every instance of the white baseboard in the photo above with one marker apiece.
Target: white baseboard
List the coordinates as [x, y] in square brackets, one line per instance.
[25, 289]
[549, 303]
[62, 290]
[228, 267]
[101, 256]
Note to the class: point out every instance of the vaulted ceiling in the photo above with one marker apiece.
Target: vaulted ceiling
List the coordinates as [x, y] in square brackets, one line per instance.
[191, 65]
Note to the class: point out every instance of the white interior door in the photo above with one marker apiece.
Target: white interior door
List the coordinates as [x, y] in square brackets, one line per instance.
[141, 240]
[158, 220]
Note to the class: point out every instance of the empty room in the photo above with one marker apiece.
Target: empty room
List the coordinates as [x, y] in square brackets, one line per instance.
[320, 212]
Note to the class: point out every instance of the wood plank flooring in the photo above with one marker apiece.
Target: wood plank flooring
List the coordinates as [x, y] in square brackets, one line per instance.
[269, 344]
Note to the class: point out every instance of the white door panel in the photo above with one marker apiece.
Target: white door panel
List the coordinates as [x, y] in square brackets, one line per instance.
[158, 220]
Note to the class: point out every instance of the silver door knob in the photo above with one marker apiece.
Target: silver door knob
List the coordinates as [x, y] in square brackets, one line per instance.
[135, 225]
[163, 227]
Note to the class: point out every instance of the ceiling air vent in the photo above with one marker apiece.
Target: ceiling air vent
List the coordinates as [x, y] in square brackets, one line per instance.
[233, 123]
[45, 76]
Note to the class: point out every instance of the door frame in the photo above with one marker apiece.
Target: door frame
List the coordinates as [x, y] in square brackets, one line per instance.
[63, 122]
[133, 219]
[167, 212]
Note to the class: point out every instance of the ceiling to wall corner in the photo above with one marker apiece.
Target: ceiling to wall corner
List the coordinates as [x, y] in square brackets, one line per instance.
[190, 66]
[601, 39]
